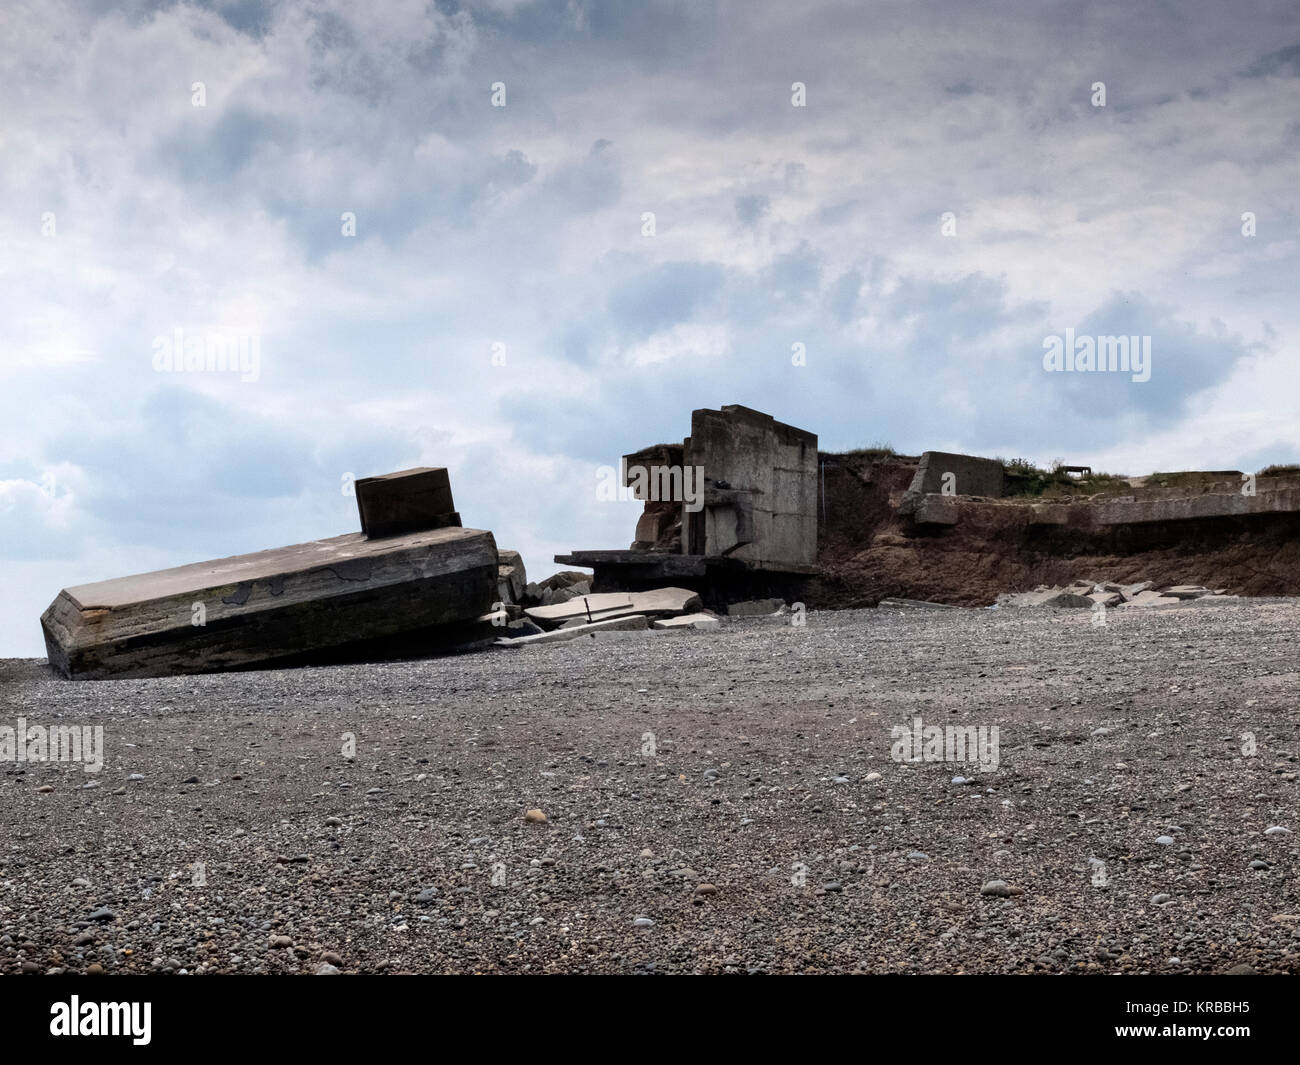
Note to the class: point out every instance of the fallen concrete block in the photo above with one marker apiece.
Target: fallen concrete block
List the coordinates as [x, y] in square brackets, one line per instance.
[1106, 599]
[632, 623]
[754, 608]
[1149, 598]
[1186, 591]
[689, 621]
[893, 602]
[604, 605]
[256, 608]
[1128, 591]
[512, 579]
[407, 501]
[1068, 599]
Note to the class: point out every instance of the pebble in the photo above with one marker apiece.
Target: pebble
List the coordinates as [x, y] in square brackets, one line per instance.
[642, 922]
[1275, 830]
[705, 889]
[1160, 900]
[101, 914]
[326, 969]
[999, 888]
[1260, 864]
[281, 941]
[535, 817]
[1164, 841]
[871, 778]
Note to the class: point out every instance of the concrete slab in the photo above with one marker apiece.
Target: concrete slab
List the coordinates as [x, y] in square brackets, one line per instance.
[603, 605]
[254, 608]
[754, 608]
[632, 623]
[689, 621]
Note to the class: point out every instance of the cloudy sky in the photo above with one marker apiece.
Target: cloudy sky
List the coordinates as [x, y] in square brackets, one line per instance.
[502, 308]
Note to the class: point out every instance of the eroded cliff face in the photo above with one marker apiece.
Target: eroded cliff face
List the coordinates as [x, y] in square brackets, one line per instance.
[868, 549]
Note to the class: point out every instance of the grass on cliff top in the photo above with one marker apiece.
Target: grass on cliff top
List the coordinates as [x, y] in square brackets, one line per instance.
[1023, 478]
[878, 450]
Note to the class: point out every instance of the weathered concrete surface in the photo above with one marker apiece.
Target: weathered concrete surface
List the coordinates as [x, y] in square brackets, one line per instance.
[935, 510]
[760, 489]
[1186, 508]
[600, 606]
[954, 475]
[259, 607]
[407, 501]
[689, 621]
[512, 577]
[755, 608]
[625, 623]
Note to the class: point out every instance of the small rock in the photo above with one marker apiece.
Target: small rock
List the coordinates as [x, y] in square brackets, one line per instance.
[1160, 900]
[642, 922]
[535, 817]
[326, 969]
[1164, 841]
[998, 888]
[281, 941]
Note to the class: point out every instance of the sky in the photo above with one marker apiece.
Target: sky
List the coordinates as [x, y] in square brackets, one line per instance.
[520, 238]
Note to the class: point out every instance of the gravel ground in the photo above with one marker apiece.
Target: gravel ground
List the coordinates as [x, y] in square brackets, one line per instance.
[753, 837]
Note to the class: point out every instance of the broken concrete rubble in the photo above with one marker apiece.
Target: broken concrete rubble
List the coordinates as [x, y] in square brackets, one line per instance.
[690, 621]
[629, 623]
[598, 607]
[754, 608]
[1084, 593]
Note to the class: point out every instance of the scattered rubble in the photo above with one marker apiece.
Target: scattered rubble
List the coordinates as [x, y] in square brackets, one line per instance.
[1091, 595]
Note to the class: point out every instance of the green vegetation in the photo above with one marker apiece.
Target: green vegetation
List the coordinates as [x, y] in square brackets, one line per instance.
[878, 450]
[1023, 478]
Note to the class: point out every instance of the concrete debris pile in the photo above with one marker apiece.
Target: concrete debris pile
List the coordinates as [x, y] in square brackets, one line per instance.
[1091, 595]
[566, 609]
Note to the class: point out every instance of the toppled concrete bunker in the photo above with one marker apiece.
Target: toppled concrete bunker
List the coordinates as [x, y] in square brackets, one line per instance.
[411, 580]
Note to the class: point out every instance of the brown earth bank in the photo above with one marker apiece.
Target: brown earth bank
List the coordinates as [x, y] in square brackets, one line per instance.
[868, 552]
[714, 802]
